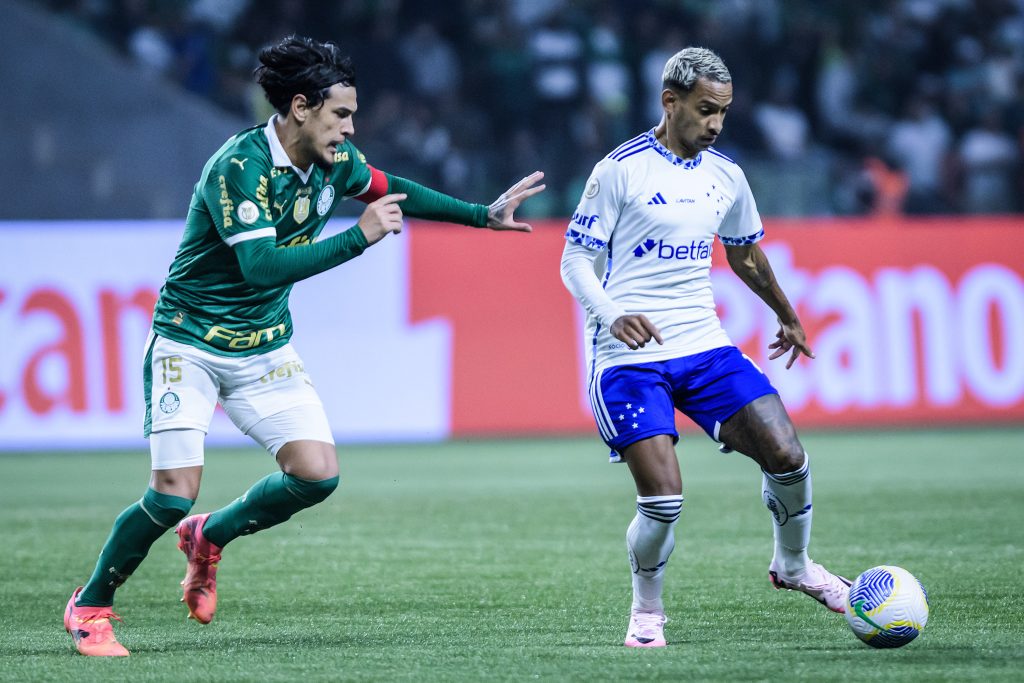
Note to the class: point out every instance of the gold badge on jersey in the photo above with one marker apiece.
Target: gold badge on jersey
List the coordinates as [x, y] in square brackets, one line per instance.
[301, 210]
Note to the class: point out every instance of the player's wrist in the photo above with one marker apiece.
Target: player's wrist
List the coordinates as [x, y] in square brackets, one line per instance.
[608, 313]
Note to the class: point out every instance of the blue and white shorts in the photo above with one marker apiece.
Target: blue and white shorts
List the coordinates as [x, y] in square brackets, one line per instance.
[635, 402]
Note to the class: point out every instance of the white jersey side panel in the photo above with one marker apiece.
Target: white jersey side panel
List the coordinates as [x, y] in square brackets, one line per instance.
[656, 216]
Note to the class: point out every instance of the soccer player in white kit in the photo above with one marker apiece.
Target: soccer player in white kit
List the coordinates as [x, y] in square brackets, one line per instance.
[638, 258]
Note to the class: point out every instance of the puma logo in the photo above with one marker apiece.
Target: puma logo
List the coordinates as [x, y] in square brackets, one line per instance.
[241, 164]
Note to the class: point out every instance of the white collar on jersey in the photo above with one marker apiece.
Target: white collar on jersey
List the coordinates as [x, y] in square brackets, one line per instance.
[670, 155]
[279, 156]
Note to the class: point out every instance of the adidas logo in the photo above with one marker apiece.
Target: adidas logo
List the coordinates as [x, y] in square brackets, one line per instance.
[657, 199]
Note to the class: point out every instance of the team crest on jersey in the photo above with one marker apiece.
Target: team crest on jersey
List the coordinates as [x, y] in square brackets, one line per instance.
[169, 402]
[301, 210]
[248, 212]
[324, 201]
[593, 187]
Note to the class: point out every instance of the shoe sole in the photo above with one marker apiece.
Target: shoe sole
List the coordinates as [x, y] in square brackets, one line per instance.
[653, 643]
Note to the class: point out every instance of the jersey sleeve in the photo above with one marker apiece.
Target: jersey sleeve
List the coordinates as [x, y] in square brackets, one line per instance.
[351, 173]
[742, 224]
[237, 194]
[599, 208]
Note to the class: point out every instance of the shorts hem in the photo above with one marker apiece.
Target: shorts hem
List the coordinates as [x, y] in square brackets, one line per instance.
[721, 421]
[633, 438]
[205, 429]
[247, 426]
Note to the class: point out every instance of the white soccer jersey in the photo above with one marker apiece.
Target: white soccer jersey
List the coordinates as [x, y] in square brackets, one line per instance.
[655, 216]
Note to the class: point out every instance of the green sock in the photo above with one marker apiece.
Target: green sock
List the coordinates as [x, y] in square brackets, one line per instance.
[270, 501]
[135, 530]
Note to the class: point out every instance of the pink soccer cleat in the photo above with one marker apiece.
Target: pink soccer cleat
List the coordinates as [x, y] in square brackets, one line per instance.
[91, 629]
[200, 582]
[827, 588]
[646, 629]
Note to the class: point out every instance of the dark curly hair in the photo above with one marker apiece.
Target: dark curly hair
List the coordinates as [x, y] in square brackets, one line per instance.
[302, 66]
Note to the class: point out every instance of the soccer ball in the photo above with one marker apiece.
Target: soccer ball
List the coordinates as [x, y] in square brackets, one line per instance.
[887, 607]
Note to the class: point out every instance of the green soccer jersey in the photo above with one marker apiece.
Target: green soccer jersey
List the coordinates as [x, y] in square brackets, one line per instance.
[248, 190]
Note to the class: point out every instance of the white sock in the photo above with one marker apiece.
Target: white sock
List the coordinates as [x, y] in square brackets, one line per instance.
[788, 497]
[650, 540]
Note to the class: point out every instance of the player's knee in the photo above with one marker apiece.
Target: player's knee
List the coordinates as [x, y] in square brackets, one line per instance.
[165, 509]
[787, 457]
[311, 492]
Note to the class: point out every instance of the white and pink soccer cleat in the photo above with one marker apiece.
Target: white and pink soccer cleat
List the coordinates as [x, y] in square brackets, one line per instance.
[827, 588]
[646, 629]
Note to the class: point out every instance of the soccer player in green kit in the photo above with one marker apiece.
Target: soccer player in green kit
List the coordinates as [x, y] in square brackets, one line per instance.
[221, 328]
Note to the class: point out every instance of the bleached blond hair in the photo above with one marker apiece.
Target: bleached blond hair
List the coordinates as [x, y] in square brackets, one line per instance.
[689, 64]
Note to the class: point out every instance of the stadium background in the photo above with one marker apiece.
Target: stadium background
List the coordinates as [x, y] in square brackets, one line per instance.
[884, 143]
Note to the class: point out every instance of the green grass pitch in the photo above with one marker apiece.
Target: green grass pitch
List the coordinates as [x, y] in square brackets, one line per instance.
[505, 560]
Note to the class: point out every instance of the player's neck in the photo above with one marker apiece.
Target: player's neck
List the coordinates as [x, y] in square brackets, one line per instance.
[671, 144]
[288, 134]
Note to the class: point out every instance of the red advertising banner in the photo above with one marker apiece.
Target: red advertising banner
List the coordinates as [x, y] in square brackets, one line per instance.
[463, 332]
[913, 322]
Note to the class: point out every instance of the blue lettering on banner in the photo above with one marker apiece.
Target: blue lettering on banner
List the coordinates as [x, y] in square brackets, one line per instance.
[694, 251]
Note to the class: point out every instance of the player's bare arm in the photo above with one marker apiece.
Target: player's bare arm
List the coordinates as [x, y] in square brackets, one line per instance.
[499, 213]
[635, 330]
[750, 263]
[381, 217]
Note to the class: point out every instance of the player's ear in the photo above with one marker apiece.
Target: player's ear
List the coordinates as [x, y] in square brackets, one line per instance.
[300, 107]
[668, 99]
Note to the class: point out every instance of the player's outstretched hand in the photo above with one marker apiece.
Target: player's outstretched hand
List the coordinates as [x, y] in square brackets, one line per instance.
[382, 217]
[635, 330]
[790, 336]
[499, 214]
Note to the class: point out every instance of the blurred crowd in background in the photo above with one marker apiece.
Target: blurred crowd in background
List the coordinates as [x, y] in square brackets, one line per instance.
[908, 106]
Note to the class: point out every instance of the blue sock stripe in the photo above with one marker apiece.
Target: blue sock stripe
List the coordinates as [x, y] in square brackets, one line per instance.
[660, 508]
[790, 478]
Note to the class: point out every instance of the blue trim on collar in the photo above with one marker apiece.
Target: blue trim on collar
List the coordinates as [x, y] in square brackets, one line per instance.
[669, 155]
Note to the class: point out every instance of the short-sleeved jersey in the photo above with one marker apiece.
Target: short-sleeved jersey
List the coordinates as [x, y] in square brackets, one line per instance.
[249, 189]
[655, 217]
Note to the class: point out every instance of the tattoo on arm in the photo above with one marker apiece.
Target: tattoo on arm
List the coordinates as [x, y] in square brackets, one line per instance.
[752, 266]
[760, 276]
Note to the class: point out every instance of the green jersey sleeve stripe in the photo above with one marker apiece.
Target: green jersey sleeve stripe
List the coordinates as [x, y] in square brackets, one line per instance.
[250, 235]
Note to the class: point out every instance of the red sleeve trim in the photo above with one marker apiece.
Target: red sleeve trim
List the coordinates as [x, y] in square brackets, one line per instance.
[377, 188]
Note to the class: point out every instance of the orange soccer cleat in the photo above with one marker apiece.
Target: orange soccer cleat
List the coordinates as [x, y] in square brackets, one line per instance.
[91, 629]
[200, 582]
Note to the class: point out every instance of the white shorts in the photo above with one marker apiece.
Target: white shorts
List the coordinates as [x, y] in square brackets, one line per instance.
[183, 385]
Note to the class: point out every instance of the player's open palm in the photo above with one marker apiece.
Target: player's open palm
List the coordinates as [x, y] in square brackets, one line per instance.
[382, 217]
[790, 337]
[499, 214]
